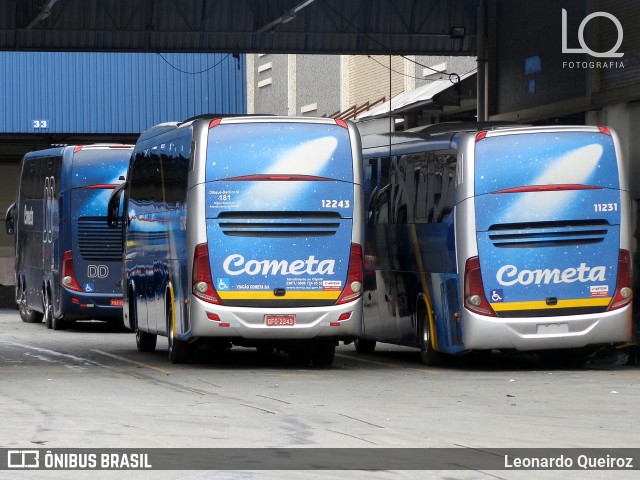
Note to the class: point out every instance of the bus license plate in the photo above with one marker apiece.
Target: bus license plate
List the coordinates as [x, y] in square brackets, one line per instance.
[280, 320]
[116, 302]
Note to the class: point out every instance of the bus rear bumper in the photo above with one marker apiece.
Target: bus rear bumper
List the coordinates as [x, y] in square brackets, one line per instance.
[543, 333]
[91, 306]
[251, 323]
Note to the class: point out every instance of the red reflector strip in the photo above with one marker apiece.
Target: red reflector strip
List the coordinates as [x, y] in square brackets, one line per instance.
[77, 149]
[604, 130]
[480, 136]
[334, 324]
[224, 324]
[548, 188]
[101, 186]
[279, 177]
[215, 122]
[341, 123]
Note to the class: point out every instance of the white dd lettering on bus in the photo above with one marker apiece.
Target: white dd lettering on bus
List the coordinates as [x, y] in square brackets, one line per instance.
[236, 265]
[509, 275]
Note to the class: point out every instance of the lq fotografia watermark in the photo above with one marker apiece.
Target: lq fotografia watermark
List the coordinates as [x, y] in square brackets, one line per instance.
[584, 47]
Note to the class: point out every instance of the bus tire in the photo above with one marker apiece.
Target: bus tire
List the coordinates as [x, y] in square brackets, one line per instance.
[179, 351]
[58, 323]
[364, 346]
[133, 308]
[49, 315]
[323, 354]
[146, 342]
[26, 313]
[428, 354]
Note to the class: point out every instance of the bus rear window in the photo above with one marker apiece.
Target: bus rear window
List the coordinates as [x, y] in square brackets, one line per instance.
[508, 162]
[103, 166]
[300, 149]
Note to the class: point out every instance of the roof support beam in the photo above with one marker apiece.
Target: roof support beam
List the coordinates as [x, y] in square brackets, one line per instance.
[45, 11]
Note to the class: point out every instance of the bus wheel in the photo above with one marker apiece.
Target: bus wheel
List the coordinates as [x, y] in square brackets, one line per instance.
[179, 351]
[52, 322]
[26, 314]
[365, 346]
[323, 354]
[146, 342]
[428, 354]
[58, 323]
[47, 307]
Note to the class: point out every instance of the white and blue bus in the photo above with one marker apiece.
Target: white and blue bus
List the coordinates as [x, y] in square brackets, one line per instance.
[244, 231]
[67, 264]
[506, 238]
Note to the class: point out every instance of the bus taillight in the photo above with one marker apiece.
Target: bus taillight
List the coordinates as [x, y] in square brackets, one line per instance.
[353, 287]
[474, 297]
[202, 286]
[624, 290]
[68, 272]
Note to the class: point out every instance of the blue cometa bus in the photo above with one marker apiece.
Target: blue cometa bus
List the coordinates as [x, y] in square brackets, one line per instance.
[505, 238]
[244, 231]
[68, 261]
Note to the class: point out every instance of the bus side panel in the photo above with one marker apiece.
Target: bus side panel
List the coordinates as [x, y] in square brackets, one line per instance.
[410, 247]
[155, 247]
[35, 232]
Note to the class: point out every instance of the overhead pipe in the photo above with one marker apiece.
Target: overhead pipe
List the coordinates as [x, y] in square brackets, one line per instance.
[482, 63]
[45, 11]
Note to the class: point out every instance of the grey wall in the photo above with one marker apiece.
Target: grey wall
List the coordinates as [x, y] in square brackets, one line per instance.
[318, 82]
[271, 99]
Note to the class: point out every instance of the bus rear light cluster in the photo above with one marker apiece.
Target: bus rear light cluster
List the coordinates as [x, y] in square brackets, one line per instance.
[353, 287]
[68, 273]
[202, 286]
[474, 297]
[624, 287]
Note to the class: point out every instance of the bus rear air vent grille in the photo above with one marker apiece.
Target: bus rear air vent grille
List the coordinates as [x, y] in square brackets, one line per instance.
[546, 234]
[97, 241]
[279, 224]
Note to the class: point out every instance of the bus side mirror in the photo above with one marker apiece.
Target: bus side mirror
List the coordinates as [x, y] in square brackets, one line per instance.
[9, 220]
[113, 207]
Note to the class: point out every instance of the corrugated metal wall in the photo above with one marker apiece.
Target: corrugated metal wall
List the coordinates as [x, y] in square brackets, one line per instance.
[114, 92]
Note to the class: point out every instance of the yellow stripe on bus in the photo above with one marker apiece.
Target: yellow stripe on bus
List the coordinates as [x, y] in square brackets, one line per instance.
[542, 304]
[268, 295]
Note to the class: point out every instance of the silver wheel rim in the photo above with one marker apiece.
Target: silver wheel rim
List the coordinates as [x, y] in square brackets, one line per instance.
[23, 305]
[425, 335]
[47, 308]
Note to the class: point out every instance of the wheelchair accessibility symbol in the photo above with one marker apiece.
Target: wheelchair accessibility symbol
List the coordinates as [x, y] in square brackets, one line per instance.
[497, 295]
[222, 284]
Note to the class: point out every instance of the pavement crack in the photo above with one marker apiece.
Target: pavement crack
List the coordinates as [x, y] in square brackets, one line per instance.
[362, 421]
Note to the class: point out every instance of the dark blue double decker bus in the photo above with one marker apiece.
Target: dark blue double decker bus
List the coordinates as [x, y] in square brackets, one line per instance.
[68, 262]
